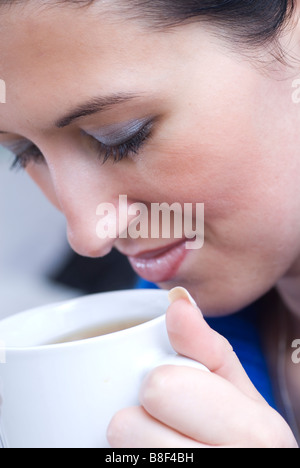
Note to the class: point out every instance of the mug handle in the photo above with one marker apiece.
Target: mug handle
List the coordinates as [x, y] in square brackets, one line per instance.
[178, 360]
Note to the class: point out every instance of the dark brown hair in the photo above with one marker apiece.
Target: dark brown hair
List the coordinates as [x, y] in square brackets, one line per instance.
[250, 22]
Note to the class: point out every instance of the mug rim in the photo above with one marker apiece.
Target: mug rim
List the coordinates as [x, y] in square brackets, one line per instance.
[155, 320]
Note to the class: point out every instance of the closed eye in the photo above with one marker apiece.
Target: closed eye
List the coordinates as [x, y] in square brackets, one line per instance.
[30, 154]
[128, 148]
[105, 152]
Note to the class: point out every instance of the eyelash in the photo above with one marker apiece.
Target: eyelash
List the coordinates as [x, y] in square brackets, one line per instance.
[32, 153]
[116, 153]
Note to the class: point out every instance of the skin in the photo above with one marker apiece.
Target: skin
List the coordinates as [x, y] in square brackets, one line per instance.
[220, 138]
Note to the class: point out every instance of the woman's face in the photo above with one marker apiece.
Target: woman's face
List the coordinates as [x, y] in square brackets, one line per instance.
[222, 133]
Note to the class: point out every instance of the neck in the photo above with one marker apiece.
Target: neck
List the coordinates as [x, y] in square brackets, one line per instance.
[289, 290]
[289, 328]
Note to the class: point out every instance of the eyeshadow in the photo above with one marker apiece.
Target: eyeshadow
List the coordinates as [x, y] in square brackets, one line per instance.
[117, 134]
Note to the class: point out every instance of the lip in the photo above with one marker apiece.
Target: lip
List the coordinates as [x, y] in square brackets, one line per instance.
[159, 265]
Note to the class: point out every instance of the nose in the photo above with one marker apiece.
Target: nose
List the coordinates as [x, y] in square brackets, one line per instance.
[81, 189]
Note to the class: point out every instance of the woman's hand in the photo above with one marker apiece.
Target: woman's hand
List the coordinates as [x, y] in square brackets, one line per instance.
[182, 407]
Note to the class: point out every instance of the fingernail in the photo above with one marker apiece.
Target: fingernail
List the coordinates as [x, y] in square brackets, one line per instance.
[181, 293]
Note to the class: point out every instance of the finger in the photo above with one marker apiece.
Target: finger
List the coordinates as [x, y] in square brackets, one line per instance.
[203, 406]
[191, 336]
[135, 428]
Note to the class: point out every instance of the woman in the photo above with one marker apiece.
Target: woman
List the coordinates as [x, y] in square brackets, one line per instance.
[185, 102]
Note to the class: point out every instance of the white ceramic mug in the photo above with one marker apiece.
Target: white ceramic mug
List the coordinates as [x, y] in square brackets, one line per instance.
[64, 395]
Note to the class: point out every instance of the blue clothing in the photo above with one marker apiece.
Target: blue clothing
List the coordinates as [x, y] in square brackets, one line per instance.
[242, 331]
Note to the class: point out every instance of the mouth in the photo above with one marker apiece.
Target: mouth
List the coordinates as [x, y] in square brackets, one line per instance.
[159, 265]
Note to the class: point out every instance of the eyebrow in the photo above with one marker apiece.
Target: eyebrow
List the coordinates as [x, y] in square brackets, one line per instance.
[95, 105]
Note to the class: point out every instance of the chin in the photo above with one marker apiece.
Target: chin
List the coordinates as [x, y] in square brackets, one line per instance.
[214, 301]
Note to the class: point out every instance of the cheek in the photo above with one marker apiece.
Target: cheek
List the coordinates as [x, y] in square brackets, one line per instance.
[210, 171]
[252, 222]
[251, 194]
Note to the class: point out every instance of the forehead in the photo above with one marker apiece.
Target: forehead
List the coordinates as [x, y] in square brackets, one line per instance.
[51, 55]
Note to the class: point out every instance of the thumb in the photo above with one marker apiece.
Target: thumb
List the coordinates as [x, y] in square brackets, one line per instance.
[191, 336]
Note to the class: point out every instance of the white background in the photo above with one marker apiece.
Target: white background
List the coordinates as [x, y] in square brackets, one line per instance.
[32, 243]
